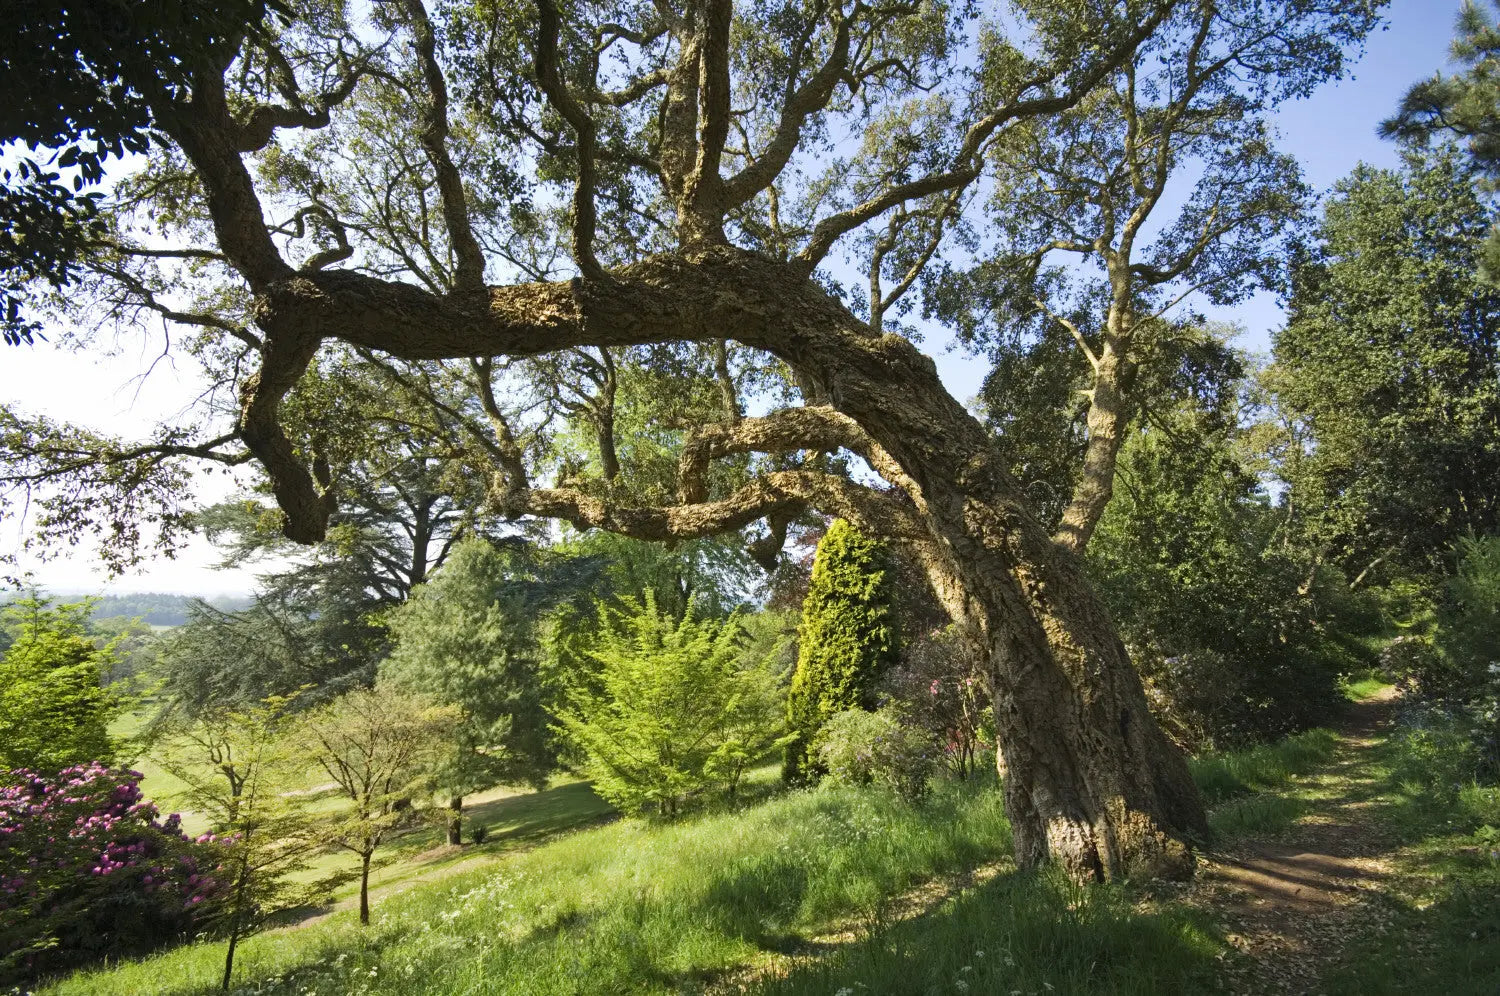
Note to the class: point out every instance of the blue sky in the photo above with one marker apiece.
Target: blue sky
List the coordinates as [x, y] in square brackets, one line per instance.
[1335, 129]
[1329, 132]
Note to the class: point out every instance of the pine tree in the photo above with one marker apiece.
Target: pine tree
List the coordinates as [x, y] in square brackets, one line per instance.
[848, 639]
[466, 638]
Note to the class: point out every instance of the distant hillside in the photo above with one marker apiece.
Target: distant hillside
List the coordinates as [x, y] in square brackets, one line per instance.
[158, 608]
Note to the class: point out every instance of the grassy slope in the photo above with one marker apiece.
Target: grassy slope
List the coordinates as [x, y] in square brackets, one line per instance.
[803, 894]
[629, 906]
[640, 907]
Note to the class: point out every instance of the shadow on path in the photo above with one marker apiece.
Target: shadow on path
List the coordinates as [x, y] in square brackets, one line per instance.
[1292, 898]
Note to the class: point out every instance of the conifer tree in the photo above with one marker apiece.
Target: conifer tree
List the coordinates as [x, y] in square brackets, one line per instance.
[678, 708]
[466, 639]
[848, 639]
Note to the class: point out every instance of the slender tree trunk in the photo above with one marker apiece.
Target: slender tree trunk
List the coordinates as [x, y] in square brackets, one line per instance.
[364, 888]
[234, 939]
[456, 819]
[237, 919]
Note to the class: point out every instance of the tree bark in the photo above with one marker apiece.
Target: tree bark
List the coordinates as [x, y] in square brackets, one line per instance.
[234, 939]
[456, 820]
[364, 888]
[1093, 783]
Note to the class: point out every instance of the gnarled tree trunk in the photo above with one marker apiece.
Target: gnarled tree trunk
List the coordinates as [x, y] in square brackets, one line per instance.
[1092, 782]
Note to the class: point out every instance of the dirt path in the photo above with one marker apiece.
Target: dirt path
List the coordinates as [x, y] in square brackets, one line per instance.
[1290, 902]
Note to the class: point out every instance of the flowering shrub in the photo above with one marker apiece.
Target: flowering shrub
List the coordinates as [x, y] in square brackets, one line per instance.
[87, 870]
[1418, 667]
[940, 686]
[858, 747]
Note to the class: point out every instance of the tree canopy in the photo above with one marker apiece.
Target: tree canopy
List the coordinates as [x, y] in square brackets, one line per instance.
[1385, 370]
[548, 225]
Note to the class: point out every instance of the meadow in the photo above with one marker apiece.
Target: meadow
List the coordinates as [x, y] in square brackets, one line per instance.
[804, 891]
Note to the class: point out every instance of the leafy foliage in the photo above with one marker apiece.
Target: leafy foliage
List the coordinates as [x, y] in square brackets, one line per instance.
[1464, 105]
[236, 765]
[54, 708]
[380, 746]
[1225, 621]
[941, 687]
[1384, 374]
[677, 708]
[848, 640]
[88, 871]
[316, 629]
[1454, 727]
[1468, 623]
[82, 80]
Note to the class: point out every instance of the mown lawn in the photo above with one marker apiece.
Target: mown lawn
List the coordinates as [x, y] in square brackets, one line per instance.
[514, 817]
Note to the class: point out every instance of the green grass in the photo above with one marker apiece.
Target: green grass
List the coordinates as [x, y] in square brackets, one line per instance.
[1019, 933]
[516, 821]
[1362, 686]
[631, 906]
[1263, 812]
[1223, 776]
[851, 891]
[1437, 923]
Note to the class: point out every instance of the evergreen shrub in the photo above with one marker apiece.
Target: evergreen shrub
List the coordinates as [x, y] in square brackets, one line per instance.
[848, 640]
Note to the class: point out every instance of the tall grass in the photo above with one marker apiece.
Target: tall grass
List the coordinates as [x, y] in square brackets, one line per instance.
[1034, 934]
[1261, 768]
[630, 907]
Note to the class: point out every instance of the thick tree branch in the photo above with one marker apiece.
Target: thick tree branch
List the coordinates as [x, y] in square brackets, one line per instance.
[779, 493]
[585, 216]
[818, 427]
[469, 272]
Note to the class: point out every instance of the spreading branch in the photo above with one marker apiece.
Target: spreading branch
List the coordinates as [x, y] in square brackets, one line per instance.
[585, 218]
